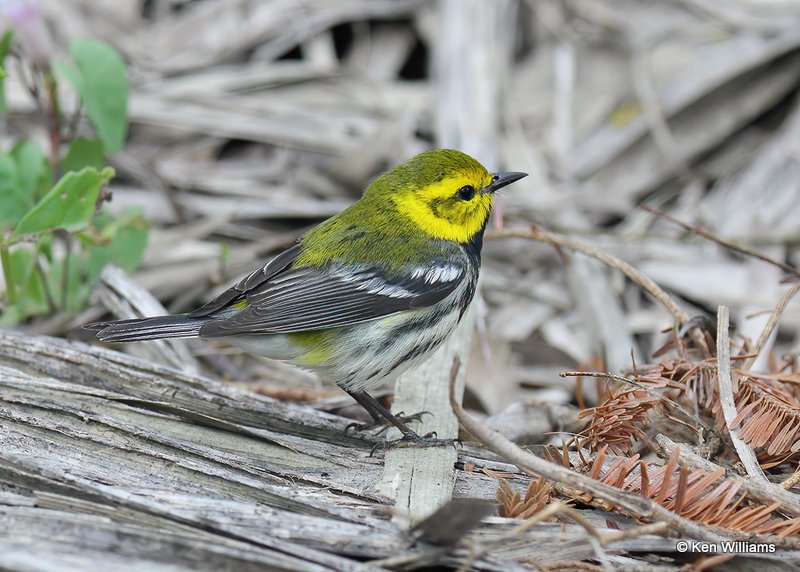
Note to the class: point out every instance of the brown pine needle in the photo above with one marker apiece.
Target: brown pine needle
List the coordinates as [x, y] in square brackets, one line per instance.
[639, 386]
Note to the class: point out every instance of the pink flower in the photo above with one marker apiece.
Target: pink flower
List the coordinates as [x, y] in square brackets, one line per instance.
[29, 29]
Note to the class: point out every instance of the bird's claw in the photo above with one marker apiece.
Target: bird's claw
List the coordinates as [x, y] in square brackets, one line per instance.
[385, 425]
[427, 440]
[355, 426]
[403, 418]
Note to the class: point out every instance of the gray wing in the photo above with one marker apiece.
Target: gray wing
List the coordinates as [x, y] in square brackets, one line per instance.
[238, 291]
[299, 299]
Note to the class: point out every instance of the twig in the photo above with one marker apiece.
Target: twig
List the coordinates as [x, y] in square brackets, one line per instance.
[559, 240]
[635, 275]
[53, 120]
[792, 480]
[574, 483]
[562, 132]
[771, 323]
[564, 565]
[408, 560]
[757, 489]
[71, 130]
[654, 528]
[30, 84]
[553, 509]
[726, 390]
[722, 242]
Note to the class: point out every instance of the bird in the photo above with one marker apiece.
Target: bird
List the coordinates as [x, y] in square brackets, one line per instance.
[365, 295]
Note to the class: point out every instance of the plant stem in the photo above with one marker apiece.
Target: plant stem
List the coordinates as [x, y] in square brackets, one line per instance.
[53, 120]
[11, 288]
[67, 240]
[51, 303]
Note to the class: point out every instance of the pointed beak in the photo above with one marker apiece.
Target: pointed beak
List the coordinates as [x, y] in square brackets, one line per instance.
[500, 180]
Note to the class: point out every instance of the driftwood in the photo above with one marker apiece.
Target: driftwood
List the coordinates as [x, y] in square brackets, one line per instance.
[144, 450]
[107, 456]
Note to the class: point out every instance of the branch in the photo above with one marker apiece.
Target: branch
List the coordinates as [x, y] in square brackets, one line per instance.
[573, 483]
[762, 491]
[647, 283]
[767, 331]
[635, 275]
[722, 242]
[726, 390]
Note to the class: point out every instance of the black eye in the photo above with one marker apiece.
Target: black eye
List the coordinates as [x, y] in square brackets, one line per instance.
[466, 193]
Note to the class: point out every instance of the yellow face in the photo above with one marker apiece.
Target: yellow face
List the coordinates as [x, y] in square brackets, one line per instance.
[444, 193]
[453, 208]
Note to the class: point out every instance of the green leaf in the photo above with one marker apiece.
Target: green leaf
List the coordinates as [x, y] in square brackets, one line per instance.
[24, 175]
[102, 82]
[126, 247]
[31, 293]
[10, 316]
[78, 289]
[82, 153]
[29, 297]
[5, 46]
[68, 205]
[69, 72]
[30, 164]
[14, 202]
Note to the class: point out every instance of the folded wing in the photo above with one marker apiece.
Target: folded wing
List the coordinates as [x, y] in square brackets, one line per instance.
[298, 299]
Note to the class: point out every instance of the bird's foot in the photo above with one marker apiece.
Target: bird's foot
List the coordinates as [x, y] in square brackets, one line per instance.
[384, 425]
[427, 440]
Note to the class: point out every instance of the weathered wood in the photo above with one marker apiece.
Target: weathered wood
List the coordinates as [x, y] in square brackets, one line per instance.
[110, 442]
[43, 537]
[110, 458]
[421, 479]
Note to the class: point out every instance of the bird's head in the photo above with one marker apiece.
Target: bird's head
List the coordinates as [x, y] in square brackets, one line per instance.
[444, 192]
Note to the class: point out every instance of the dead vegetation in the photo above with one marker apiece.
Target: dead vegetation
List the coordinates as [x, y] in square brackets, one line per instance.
[253, 120]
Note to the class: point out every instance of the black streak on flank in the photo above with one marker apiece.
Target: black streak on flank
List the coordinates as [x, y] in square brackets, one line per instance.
[416, 351]
[374, 373]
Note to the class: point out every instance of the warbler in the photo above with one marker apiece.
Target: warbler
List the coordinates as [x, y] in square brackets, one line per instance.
[364, 295]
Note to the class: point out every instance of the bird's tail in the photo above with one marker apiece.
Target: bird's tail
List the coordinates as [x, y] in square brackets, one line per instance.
[159, 327]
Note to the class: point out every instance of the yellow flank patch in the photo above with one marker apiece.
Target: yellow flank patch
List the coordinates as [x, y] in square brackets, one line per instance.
[240, 304]
[315, 347]
[437, 210]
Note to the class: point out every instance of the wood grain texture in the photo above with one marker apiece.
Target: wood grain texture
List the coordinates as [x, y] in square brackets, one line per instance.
[112, 459]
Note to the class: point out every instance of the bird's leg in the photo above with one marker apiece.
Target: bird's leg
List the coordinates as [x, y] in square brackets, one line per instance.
[382, 417]
[379, 413]
[371, 405]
